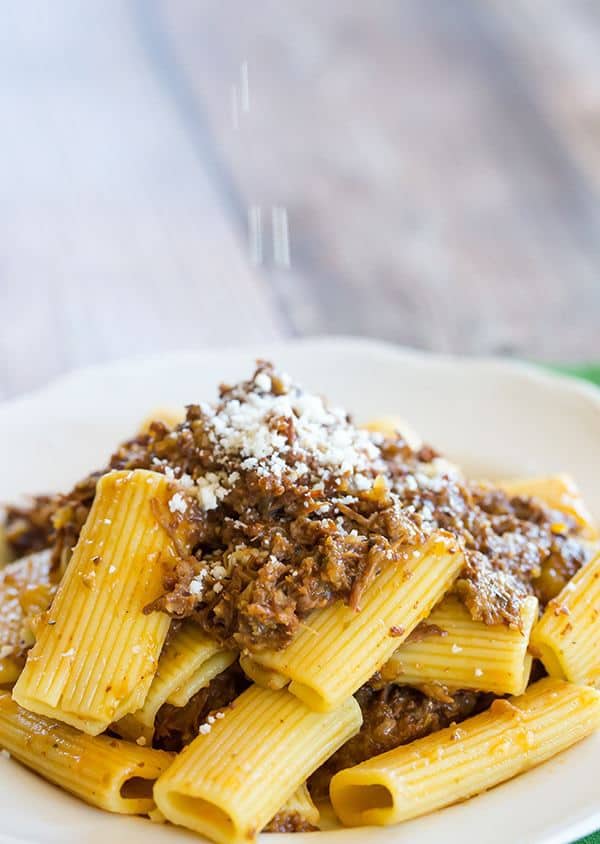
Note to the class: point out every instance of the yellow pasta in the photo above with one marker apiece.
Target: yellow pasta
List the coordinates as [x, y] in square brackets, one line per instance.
[339, 649]
[189, 661]
[567, 637]
[560, 493]
[170, 416]
[26, 589]
[230, 781]
[97, 651]
[5, 552]
[106, 772]
[392, 425]
[267, 678]
[299, 805]
[206, 672]
[461, 761]
[471, 654]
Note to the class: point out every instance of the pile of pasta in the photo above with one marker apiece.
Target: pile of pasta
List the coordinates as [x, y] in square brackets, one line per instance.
[100, 667]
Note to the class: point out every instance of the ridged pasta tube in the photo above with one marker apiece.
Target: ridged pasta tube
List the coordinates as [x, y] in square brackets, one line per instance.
[467, 654]
[461, 761]
[189, 661]
[106, 772]
[567, 637]
[169, 416]
[558, 492]
[26, 589]
[299, 805]
[338, 649]
[229, 782]
[97, 651]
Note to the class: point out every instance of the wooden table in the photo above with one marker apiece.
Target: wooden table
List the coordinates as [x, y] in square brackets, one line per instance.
[434, 166]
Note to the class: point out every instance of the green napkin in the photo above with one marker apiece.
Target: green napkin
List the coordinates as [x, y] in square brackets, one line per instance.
[590, 372]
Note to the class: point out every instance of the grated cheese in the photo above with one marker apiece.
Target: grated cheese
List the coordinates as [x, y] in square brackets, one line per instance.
[177, 503]
[245, 431]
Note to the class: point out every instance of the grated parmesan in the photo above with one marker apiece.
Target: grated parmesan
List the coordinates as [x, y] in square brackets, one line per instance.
[177, 503]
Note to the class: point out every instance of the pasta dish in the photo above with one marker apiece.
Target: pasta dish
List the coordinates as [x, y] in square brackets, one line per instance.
[258, 608]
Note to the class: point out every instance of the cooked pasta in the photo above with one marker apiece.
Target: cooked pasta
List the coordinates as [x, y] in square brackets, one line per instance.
[339, 649]
[218, 785]
[298, 814]
[301, 803]
[106, 772]
[97, 652]
[169, 416]
[267, 678]
[391, 425]
[461, 761]
[202, 676]
[268, 604]
[26, 589]
[461, 653]
[559, 492]
[567, 638]
[5, 552]
[188, 662]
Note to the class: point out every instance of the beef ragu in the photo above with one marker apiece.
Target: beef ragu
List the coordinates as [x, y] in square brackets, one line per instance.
[281, 505]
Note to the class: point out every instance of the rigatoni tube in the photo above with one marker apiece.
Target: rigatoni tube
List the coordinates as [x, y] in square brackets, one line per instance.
[339, 648]
[189, 661]
[27, 586]
[97, 651]
[106, 772]
[230, 781]
[298, 807]
[567, 637]
[559, 492]
[466, 654]
[461, 761]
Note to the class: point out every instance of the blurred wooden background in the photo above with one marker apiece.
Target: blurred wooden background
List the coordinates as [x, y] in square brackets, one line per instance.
[438, 163]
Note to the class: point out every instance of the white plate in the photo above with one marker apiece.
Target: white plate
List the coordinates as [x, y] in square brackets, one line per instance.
[496, 418]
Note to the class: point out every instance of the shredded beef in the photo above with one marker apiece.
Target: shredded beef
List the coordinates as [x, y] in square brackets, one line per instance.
[394, 715]
[30, 529]
[289, 822]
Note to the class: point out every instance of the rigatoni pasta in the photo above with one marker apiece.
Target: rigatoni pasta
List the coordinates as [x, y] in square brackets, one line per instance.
[218, 785]
[188, 663]
[298, 814]
[301, 803]
[97, 651]
[566, 638]
[461, 761]
[268, 604]
[169, 416]
[392, 425]
[559, 492]
[106, 772]
[461, 653]
[27, 586]
[339, 649]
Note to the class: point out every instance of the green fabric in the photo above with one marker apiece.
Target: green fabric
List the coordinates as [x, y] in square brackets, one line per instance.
[590, 372]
